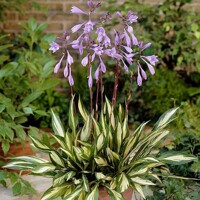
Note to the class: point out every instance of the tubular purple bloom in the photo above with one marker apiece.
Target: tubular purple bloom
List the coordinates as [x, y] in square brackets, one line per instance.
[150, 67]
[90, 81]
[84, 62]
[66, 71]
[127, 38]
[98, 50]
[54, 47]
[57, 67]
[96, 74]
[152, 59]
[134, 39]
[131, 17]
[143, 47]
[76, 10]
[102, 65]
[125, 66]
[117, 38]
[88, 27]
[119, 14]
[70, 60]
[144, 75]
[76, 27]
[101, 33]
[70, 79]
[128, 49]
[139, 78]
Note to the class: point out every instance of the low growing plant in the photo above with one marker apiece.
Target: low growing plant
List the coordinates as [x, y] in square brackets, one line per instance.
[98, 149]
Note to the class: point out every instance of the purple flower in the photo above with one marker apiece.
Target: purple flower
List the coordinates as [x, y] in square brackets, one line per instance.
[88, 27]
[96, 74]
[119, 14]
[144, 76]
[84, 62]
[131, 17]
[66, 71]
[143, 47]
[98, 50]
[139, 78]
[127, 38]
[152, 59]
[134, 39]
[113, 53]
[76, 10]
[76, 27]
[57, 67]
[102, 65]
[70, 60]
[90, 81]
[101, 33]
[151, 62]
[125, 66]
[93, 6]
[54, 47]
[71, 80]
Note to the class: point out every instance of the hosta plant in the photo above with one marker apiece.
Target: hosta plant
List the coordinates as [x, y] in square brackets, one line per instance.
[100, 153]
[97, 149]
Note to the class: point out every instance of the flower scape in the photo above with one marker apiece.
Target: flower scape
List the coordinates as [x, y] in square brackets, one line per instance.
[101, 151]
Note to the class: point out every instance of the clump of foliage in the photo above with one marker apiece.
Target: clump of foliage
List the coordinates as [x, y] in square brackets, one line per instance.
[165, 91]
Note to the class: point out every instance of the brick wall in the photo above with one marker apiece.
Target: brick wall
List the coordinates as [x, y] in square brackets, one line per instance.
[58, 17]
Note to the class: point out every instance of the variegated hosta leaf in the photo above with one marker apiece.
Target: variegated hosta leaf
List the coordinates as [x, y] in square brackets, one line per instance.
[68, 141]
[176, 159]
[19, 165]
[94, 195]
[140, 171]
[125, 129]
[158, 139]
[54, 192]
[103, 125]
[72, 117]
[133, 140]
[60, 140]
[73, 194]
[85, 183]
[123, 182]
[43, 168]
[100, 142]
[100, 161]
[56, 158]
[38, 144]
[86, 130]
[96, 127]
[142, 181]
[112, 156]
[24, 162]
[57, 125]
[139, 190]
[110, 112]
[30, 159]
[101, 176]
[118, 137]
[82, 110]
[165, 118]
[114, 194]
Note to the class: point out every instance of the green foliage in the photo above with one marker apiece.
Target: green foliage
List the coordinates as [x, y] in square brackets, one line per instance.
[101, 152]
[19, 186]
[24, 76]
[163, 91]
[174, 189]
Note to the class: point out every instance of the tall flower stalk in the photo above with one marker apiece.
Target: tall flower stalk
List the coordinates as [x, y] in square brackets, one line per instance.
[94, 45]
